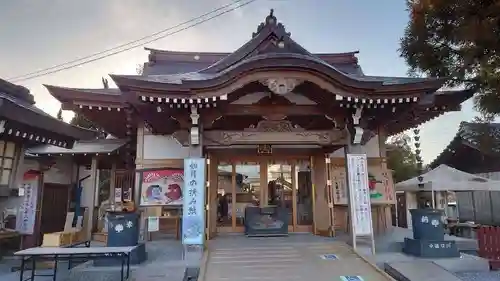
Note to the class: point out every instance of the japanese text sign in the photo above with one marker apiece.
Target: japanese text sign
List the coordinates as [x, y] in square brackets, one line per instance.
[25, 222]
[193, 212]
[357, 167]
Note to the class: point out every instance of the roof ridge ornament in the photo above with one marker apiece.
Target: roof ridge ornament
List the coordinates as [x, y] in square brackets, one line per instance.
[272, 23]
[281, 85]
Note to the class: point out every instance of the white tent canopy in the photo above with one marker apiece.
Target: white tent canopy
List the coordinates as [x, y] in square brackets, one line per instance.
[445, 178]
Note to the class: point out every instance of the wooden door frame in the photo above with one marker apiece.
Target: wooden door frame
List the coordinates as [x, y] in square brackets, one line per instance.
[401, 210]
[232, 158]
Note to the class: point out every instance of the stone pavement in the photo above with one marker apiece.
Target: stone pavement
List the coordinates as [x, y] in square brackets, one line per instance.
[164, 263]
[297, 257]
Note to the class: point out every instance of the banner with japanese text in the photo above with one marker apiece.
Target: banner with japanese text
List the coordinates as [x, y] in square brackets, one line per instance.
[193, 209]
[162, 187]
[25, 221]
[359, 193]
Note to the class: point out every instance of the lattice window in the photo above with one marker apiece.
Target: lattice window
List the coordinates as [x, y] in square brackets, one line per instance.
[7, 160]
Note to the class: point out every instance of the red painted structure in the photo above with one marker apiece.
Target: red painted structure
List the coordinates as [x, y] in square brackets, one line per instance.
[488, 239]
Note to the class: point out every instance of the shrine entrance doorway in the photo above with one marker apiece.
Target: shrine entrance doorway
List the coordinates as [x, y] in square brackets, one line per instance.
[261, 181]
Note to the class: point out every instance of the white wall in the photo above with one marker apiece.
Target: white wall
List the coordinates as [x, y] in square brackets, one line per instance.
[14, 202]
[157, 147]
[61, 172]
[372, 149]
[88, 189]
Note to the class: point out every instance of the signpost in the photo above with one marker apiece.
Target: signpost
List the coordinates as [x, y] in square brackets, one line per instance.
[359, 198]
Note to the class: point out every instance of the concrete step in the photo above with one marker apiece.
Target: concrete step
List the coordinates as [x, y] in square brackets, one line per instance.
[464, 263]
[419, 271]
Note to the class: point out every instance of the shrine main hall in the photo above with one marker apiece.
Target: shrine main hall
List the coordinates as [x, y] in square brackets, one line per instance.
[274, 122]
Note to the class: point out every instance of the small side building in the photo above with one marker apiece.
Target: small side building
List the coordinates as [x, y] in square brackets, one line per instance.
[22, 126]
[475, 149]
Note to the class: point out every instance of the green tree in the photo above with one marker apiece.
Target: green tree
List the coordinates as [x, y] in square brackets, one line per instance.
[458, 40]
[80, 121]
[59, 114]
[401, 158]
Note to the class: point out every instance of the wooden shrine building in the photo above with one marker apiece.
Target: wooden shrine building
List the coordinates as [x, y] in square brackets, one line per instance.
[22, 125]
[271, 111]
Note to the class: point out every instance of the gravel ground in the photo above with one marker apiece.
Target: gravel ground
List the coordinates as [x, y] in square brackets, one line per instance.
[479, 276]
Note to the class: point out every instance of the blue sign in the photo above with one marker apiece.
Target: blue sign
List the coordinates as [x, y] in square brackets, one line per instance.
[351, 278]
[329, 257]
[193, 206]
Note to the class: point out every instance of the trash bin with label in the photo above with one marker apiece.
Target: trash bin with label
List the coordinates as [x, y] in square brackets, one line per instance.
[123, 230]
[428, 236]
[427, 224]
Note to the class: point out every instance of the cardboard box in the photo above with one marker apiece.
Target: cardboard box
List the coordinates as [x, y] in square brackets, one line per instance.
[57, 239]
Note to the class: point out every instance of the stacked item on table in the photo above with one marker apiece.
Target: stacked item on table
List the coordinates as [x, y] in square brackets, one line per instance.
[70, 235]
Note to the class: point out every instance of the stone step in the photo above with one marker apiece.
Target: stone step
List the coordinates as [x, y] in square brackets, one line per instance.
[418, 271]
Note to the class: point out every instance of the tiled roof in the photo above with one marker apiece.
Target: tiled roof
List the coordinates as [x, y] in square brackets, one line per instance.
[482, 137]
[102, 146]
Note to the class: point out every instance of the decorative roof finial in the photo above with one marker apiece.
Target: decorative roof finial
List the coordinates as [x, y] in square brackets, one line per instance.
[271, 22]
[271, 19]
[105, 83]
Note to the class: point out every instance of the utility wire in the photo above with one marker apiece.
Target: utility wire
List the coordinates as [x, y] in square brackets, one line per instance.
[132, 44]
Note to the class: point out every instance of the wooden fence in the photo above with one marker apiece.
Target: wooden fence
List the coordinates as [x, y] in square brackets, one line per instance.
[488, 239]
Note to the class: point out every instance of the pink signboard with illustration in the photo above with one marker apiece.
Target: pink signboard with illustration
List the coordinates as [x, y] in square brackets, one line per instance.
[162, 187]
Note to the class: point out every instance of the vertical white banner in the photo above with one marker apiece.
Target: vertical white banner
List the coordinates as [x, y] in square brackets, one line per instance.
[193, 206]
[359, 194]
[25, 222]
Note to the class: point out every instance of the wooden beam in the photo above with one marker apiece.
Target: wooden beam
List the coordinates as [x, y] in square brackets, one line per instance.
[287, 110]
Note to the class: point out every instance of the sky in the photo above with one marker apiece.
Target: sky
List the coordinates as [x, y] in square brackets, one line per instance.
[35, 35]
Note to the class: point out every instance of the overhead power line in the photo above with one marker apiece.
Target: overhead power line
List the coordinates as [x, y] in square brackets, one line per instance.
[133, 44]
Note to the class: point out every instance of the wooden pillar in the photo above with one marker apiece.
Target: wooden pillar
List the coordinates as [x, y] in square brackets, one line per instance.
[320, 205]
[213, 185]
[91, 208]
[112, 184]
[233, 196]
[294, 196]
[128, 192]
[195, 149]
[263, 184]
[313, 192]
[330, 195]
[389, 192]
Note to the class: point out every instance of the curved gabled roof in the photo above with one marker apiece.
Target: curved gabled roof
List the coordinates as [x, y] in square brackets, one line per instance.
[187, 82]
[163, 62]
[17, 104]
[271, 47]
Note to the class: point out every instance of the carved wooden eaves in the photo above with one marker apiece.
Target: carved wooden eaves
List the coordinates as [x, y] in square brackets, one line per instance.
[269, 132]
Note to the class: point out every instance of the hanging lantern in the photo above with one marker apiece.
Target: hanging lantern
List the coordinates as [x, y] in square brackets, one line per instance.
[418, 151]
